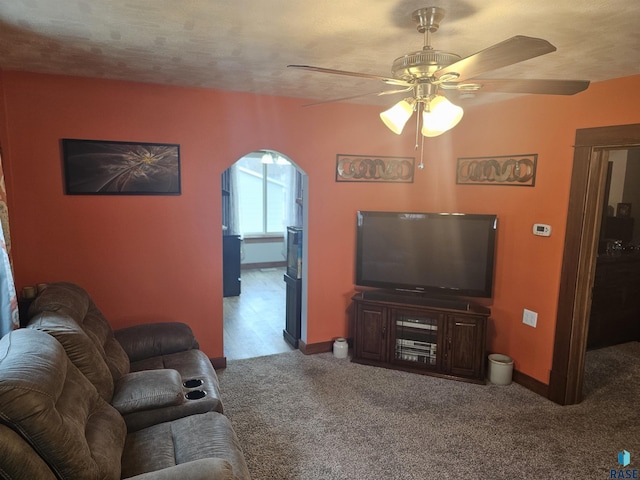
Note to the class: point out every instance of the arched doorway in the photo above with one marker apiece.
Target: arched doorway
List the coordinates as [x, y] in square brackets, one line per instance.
[263, 193]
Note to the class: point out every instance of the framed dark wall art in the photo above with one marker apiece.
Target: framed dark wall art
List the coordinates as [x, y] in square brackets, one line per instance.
[97, 167]
[513, 170]
[367, 168]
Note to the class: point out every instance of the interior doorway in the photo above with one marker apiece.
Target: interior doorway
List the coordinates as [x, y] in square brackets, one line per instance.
[615, 296]
[586, 200]
[263, 194]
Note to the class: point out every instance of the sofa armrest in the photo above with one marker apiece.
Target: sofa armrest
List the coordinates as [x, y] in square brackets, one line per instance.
[147, 390]
[153, 339]
[203, 469]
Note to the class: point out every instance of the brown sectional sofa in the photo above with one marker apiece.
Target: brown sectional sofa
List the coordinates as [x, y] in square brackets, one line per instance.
[125, 364]
[78, 400]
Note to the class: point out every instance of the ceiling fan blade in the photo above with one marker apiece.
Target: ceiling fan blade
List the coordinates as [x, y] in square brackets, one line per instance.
[387, 80]
[513, 50]
[378, 94]
[548, 87]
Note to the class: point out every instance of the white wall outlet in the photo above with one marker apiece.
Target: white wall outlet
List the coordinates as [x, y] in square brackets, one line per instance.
[530, 318]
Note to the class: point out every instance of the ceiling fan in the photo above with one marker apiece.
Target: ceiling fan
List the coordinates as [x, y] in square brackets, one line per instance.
[427, 72]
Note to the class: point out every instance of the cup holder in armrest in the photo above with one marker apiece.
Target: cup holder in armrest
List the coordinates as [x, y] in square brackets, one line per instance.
[193, 383]
[195, 394]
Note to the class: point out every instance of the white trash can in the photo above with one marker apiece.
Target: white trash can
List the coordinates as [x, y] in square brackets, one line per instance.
[340, 348]
[500, 369]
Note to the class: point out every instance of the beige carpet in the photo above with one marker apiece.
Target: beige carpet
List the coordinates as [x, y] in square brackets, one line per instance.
[317, 417]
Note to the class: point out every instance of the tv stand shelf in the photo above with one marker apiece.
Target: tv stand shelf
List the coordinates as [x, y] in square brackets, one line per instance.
[414, 334]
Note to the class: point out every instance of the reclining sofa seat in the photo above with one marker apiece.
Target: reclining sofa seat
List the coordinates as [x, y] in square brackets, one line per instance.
[141, 370]
[55, 425]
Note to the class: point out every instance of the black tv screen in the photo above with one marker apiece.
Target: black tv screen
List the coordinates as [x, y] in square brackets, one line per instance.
[437, 253]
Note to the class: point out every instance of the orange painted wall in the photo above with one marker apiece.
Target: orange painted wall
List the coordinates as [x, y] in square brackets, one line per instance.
[159, 258]
[148, 258]
[529, 267]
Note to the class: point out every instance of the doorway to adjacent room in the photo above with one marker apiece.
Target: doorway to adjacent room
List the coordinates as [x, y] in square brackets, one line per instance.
[584, 218]
[263, 193]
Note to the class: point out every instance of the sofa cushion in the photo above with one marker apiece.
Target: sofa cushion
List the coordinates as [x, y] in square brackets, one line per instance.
[153, 339]
[63, 297]
[83, 352]
[181, 441]
[72, 300]
[146, 390]
[18, 461]
[202, 469]
[53, 406]
[95, 324]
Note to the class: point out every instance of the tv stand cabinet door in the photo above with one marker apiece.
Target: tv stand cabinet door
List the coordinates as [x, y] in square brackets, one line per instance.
[465, 348]
[371, 332]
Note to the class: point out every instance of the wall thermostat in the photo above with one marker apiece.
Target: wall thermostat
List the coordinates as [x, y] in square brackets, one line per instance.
[541, 229]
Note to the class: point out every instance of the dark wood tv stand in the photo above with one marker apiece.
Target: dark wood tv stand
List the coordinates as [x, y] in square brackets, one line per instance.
[422, 335]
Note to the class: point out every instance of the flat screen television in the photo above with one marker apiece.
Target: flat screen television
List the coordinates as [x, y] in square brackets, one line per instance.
[433, 253]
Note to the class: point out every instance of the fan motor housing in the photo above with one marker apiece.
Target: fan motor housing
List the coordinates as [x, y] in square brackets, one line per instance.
[423, 63]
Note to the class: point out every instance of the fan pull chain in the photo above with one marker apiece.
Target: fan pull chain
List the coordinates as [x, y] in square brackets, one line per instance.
[417, 126]
[418, 118]
[421, 164]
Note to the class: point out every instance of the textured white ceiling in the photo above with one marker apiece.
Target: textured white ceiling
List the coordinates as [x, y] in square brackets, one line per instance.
[245, 45]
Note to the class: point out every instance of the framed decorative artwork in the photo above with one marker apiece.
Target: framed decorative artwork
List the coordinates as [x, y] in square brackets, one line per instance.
[98, 167]
[512, 170]
[367, 168]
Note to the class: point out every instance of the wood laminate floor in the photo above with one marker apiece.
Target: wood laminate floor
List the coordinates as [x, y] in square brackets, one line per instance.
[253, 321]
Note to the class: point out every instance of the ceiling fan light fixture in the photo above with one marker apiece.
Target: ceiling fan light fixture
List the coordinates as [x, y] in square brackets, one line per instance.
[439, 116]
[397, 116]
[428, 71]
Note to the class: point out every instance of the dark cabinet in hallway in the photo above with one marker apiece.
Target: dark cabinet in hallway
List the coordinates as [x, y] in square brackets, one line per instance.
[293, 314]
[615, 301]
[231, 265]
